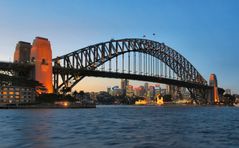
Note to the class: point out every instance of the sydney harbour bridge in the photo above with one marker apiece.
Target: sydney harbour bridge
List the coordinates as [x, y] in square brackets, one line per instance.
[130, 58]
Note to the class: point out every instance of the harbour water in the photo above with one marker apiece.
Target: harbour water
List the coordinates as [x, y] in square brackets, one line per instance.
[121, 126]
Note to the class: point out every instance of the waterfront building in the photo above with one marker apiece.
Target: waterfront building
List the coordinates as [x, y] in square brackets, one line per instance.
[109, 90]
[129, 91]
[157, 89]
[163, 91]
[115, 91]
[139, 91]
[146, 86]
[93, 95]
[16, 94]
[228, 91]
[172, 90]
[84, 98]
[151, 92]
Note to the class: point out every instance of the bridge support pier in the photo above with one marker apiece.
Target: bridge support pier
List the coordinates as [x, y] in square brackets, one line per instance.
[41, 55]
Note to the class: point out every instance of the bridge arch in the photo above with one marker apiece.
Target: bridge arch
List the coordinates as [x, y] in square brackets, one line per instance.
[91, 57]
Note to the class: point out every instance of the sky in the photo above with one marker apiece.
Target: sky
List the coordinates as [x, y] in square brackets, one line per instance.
[206, 32]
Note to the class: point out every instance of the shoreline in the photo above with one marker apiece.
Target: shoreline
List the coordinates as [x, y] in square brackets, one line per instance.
[73, 106]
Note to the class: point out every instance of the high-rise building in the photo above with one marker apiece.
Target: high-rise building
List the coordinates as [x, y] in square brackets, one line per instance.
[151, 92]
[124, 84]
[146, 86]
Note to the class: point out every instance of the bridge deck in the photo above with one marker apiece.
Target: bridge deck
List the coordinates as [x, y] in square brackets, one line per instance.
[107, 74]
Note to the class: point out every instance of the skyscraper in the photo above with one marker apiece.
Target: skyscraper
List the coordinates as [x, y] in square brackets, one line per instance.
[124, 84]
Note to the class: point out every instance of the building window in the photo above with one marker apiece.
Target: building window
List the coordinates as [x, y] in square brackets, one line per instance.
[11, 92]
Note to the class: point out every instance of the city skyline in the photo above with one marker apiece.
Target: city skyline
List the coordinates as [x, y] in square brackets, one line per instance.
[204, 32]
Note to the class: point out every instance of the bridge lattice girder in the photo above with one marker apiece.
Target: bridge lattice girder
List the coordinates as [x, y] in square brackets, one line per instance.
[94, 56]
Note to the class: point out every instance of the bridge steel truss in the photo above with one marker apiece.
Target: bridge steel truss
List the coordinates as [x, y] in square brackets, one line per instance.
[68, 69]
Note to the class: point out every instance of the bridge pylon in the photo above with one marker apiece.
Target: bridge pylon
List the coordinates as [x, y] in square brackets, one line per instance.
[38, 54]
[213, 93]
[41, 56]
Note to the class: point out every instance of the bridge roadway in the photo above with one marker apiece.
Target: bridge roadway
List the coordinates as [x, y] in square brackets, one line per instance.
[11, 67]
[117, 75]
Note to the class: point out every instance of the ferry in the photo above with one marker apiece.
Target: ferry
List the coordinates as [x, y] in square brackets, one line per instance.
[141, 102]
[159, 101]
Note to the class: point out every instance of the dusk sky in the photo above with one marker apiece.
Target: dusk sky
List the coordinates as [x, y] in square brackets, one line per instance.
[206, 32]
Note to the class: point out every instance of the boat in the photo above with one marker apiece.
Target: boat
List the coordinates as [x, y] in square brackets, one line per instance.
[159, 101]
[141, 102]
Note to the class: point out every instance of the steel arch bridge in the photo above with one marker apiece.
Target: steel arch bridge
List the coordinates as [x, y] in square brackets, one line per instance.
[145, 60]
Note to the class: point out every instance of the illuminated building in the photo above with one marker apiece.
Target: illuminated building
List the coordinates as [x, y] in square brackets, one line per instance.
[15, 94]
[214, 94]
[41, 56]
